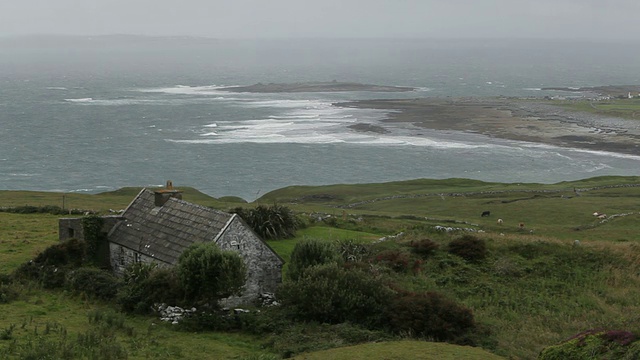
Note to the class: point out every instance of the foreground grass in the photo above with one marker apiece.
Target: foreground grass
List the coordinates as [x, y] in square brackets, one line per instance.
[401, 350]
[48, 320]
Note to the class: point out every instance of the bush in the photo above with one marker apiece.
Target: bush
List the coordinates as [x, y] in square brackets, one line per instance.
[429, 315]
[332, 294]
[595, 344]
[8, 292]
[270, 222]
[310, 252]
[50, 267]
[469, 248]
[47, 276]
[70, 252]
[424, 247]
[158, 286]
[351, 250]
[94, 282]
[398, 261]
[209, 274]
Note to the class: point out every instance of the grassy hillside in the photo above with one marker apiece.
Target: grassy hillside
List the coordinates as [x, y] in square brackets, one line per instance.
[534, 288]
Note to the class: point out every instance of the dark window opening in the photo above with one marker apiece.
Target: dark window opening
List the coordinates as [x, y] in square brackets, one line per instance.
[72, 232]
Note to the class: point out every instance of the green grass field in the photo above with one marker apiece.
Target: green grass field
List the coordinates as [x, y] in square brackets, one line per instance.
[624, 108]
[534, 289]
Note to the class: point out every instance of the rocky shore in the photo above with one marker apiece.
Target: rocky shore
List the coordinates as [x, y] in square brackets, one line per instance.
[513, 119]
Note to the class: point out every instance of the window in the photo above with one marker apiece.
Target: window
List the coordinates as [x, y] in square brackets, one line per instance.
[71, 232]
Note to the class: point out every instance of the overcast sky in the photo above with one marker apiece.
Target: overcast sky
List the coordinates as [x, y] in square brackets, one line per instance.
[586, 19]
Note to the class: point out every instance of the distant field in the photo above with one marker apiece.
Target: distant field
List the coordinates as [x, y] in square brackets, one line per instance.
[624, 108]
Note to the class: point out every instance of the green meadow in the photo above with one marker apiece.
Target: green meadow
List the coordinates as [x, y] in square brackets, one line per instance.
[552, 270]
[624, 108]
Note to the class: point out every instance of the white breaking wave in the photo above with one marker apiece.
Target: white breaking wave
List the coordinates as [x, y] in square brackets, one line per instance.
[132, 101]
[532, 89]
[187, 90]
[598, 167]
[81, 100]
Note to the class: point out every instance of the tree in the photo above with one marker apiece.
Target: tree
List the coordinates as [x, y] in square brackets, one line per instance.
[209, 274]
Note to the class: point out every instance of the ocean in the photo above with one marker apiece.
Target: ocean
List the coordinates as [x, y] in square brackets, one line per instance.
[96, 114]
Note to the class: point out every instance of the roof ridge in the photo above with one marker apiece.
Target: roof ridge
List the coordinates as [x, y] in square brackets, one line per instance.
[199, 206]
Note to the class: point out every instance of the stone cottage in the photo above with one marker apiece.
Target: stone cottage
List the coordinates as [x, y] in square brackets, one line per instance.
[158, 226]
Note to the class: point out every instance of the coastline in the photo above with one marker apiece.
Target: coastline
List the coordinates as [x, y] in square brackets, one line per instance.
[512, 119]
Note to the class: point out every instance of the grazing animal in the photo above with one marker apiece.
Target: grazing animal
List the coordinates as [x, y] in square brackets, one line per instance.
[521, 226]
[499, 221]
[602, 216]
[596, 214]
[486, 213]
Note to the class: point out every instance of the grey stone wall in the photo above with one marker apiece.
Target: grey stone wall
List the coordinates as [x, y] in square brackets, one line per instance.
[264, 267]
[72, 227]
[122, 257]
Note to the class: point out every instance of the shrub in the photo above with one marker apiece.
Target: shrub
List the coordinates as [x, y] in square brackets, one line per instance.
[270, 222]
[469, 248]
[158, 286]
[595, 344]
[429, 315]
[423, 247]
[310, 252]
[50, 267]
[397, 260]
[209, 274]
[138, 272]
[351, 250]
[94, 282]
[332, 294]
[9, 290]
[47, 276]
[71, 252]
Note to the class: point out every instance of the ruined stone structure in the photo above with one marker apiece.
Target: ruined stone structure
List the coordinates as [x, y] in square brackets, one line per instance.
[158, 226]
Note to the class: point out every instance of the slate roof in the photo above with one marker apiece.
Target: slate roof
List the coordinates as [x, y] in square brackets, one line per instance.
[164, 232]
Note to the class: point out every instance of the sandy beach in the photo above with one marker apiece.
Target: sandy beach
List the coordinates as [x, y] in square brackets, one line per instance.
[513, 119]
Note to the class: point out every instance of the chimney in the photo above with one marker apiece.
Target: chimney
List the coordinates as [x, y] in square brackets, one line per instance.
[163, 195]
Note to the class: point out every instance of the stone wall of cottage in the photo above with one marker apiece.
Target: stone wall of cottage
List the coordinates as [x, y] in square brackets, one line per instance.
[264, 267]
[69, 228]
[122, 257]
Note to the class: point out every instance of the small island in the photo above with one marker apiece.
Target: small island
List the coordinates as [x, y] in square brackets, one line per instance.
[332, 86]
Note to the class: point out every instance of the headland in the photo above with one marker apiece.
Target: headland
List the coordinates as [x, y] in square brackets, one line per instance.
[537, 121]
